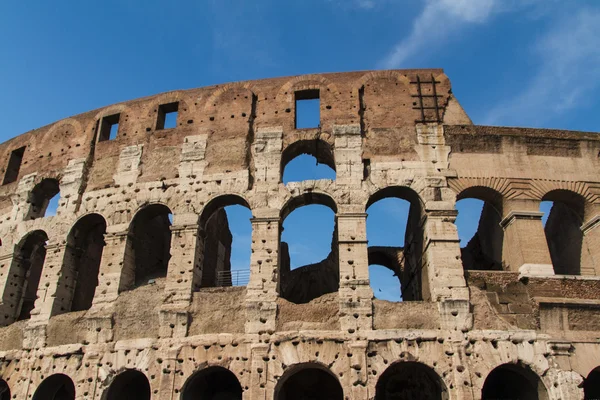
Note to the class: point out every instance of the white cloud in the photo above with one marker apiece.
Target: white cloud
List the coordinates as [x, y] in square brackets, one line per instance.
[569, 70]
[438, 20]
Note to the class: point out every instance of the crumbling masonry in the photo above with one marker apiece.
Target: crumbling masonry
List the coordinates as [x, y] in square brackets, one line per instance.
[126, 292]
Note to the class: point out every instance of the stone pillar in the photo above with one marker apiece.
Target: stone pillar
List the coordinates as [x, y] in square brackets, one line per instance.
[259, 373]
[9, 287]
[443, 276]
[21, 206]
[590, 252]
[262, 290]
[355, 294]
[348, 154]
[358, 370]
[183, 276]
[525, 249]
[267, 155]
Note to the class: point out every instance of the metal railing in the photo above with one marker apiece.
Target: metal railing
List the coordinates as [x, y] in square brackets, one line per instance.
[238, 277]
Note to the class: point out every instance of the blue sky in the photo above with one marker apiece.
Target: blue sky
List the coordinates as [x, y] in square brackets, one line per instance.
[511, 62]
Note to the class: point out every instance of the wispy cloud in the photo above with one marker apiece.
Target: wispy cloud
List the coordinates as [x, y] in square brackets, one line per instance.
[569, 70]
[439, 20]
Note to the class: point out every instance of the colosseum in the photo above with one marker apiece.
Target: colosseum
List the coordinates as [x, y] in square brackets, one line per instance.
[126, 292]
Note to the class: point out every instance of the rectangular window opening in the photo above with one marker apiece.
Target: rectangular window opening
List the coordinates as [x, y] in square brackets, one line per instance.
[109, 127]
[14, 165]
[308, 109]
[167, 116]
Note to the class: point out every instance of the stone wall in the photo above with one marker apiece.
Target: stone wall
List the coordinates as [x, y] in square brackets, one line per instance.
[517, 312]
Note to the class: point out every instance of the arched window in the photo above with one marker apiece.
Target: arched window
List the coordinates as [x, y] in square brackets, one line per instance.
[563, 232]
[478, 224]
[212, 383]
[82, 261]
[4, 390]
[44, 199]
[308, 253]
[591, 385]
[410, 380]
[394, 229]
[130, 384]
[55, 387]
[307, 160]
[26, 272]
[149, 245]
[308, 381]
[227, 231]
[513, 381]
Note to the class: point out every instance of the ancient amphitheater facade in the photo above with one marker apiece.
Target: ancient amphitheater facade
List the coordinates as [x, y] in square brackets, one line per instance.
[113, 299]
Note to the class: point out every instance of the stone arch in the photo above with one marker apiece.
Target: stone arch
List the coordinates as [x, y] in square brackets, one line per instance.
[413, 280]
[308, 282]
[410, 380]
[513, 380]
[4, 390]
[389, 74]
[591, 385]
[25, 274]
[81, 264]
[217, 93]
[308, 381]
[563, 232]
[214, 233]
[306, 82]
[40, 197]
[213, 382]
[148, 247]
[389, 257]
[128, 115]
[318, 148]
[55, 387]
[129, 384]
[185, 109]
[485, 249]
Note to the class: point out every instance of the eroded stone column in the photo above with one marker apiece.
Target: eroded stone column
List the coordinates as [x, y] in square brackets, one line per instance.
[590, 252]
[525, 249]
[355, 293]
[261, 295]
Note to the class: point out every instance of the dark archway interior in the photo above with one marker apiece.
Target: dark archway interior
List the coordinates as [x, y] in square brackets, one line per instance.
[484, 250]
[591, 386]
[32, 254]
[41, 195]
[55, 387]
[4, 390]
[563, 231]
[129, 385]
[513, 382]
[214, 383]
[409, 381]
[151, 243]
[309, 383]
[87, 241]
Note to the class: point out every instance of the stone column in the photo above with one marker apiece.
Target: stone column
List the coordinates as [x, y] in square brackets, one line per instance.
[358, 370]
[348, 154]
[259, 373]
[183, 276]
[525, 249]
[590, 252]
[9, 287]
[262, 290]
[443, 276]
[355, 294]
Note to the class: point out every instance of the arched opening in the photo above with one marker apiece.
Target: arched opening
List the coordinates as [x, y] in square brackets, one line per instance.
[4, 390]
[30, 254]
[563, 217]
[387, 219]
[82, 261]
[591, 385]
[129, 385]
[401, 240]
[215, 383]
[308, 381]
[478, 224]
[513, 381]
[227, 232]
[307, 160]
[308, 251]
[55, 387]
[149, 244]
[410, 380]
[44, 199]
